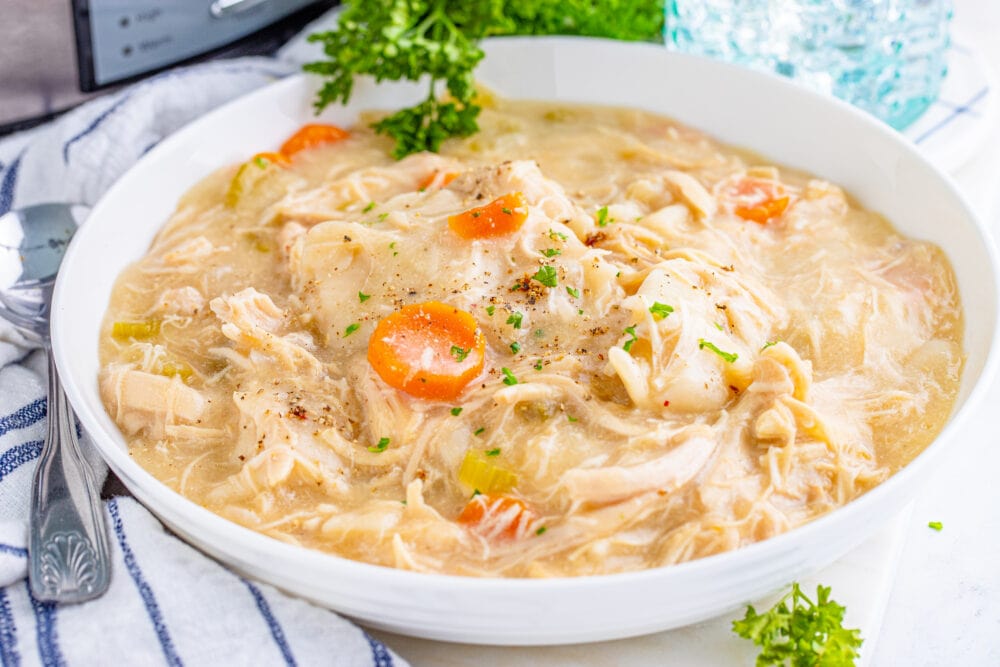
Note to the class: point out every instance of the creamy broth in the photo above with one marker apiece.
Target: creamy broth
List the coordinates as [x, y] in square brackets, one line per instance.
[718, 351]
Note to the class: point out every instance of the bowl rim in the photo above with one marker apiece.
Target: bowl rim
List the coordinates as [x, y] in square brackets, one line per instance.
[159, 498]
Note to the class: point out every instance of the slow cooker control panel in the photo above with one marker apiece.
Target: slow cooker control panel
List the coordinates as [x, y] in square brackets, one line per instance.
[127, 39]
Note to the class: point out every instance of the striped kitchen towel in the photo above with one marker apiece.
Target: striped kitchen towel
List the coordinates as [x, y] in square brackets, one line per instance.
[168, 603]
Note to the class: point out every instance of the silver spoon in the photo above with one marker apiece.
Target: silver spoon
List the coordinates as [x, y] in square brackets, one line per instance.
[68, 545]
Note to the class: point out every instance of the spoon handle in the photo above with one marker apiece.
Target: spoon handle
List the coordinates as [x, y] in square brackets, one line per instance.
[68, 547]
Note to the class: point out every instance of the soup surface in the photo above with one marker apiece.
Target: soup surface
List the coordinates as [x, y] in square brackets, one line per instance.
[584, 340]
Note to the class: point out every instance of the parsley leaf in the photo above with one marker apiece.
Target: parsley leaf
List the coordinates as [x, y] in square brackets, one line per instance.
[602, 217]
[547, 276]
[370, 206]
[490, 309]
[351, 328]
[660, 310]
[728, 356]
[515, 347]
[627, 346]
[573, 292]
[551, 252]
[380, 447]
[935, 525]
[362, 297]
[456, 412]
[459, 353]
[493, 452]
[508, 377]
[479, 430]
[557, 236]
[515, 319]
[800, 632]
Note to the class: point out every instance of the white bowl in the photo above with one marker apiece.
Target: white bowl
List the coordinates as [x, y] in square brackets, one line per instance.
[766, 114]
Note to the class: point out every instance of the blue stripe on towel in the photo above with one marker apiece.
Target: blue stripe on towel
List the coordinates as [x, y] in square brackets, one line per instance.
[13, 551]
[8, 183]
[18, 455]
[380, 654]
[8, 634]
[272, 623]
[145, 592]
[956, 112]
[32, 413]
[101, 117]
[45, 630]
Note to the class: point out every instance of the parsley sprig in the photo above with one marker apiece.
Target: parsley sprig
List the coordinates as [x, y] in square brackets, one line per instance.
[801, 633]
[408, 39]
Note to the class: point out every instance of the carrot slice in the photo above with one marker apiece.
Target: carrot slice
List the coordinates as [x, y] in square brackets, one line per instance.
[761, 213]
[497, 516]
[429, 350]
[758, 200]
[501, 216]
[311, 135]
[439, 179]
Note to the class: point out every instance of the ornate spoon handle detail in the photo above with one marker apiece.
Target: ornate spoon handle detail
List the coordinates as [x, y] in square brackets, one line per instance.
[68, 557]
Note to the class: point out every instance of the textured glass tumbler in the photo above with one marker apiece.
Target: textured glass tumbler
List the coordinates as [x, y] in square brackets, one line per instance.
[885, 56]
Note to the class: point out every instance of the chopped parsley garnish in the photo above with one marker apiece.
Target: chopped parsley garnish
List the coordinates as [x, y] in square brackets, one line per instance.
[579, 311]
[602, 217]
[935, 525]
[508, 377]
[627, 346]
[540, 531]
[718, 326]
[370, 206]
[515, 319]
[362, 297]
[479, 430]
[557, 236]
[538, 365]
[506, 211]
[660, 310]
[261, 162]
[351, 328]
[728, 356]
[456, 412]
[515, 347]
[476, 492]
[490, 310]
[380, 447]
[539, 333]
[551, 252]
[547, 276]
[768, 344]
[493, 452]
[460, 353]
[797, 631]
[573, 292]
[572, 418]
[382, 217]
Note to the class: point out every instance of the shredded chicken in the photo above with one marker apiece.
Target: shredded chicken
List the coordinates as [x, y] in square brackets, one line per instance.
[685, 351]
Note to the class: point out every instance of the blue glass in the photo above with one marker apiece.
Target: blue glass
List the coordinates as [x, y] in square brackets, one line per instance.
[885, 56]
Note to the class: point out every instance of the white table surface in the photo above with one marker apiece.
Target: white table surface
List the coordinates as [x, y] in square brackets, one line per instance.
[926, 597]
